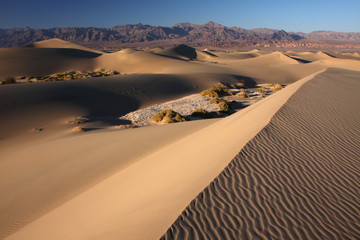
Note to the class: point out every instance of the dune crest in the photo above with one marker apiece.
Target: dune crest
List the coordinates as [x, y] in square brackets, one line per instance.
[274, 58]
[58, 43]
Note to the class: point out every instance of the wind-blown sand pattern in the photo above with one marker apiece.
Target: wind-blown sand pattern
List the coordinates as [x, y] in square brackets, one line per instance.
[299, 178]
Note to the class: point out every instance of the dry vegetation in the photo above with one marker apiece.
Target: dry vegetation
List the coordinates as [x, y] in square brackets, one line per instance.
[78, 129]
[201, 113]
[224, 106]
[243, 94]
[73, 75]
[277, 86]
[216, 91]
[168, 116]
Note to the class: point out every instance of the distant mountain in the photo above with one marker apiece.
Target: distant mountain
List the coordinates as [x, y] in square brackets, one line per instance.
[208, 34]
[331, 36]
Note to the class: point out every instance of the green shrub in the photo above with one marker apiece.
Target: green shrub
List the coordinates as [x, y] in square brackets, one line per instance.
[201, 113]
[168, 116]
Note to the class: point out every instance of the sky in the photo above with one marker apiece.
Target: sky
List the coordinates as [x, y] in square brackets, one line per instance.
[290, 15]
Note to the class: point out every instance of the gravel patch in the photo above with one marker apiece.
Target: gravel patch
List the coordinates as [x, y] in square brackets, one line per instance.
[184, 106]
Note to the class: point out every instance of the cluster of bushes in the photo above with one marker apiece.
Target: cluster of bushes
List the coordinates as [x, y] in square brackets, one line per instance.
[269, 88]
[62, 76]
[168, 116]
[216, 91]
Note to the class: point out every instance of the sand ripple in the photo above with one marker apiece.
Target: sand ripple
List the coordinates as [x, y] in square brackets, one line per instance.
[299, 178]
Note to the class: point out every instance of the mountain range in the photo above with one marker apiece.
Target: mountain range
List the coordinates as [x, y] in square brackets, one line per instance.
[208, 34]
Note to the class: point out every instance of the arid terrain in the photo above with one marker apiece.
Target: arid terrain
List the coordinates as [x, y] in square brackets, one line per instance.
[83, 158]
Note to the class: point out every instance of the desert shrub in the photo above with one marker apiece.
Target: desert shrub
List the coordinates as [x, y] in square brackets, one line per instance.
[241, 85]
[10, 80]
[201, 113]
[209, 93]
[242, 94]
[168, 116]
[216, 91]
[221, 89]
[78, 129]
[277, 86]
[263, 91]
[216, 100]
[224, 106]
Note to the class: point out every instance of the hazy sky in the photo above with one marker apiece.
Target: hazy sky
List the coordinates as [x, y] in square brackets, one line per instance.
[290, 15]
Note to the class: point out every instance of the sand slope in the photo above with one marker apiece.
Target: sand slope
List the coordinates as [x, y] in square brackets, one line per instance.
[58, 43]
[274, 58]
[309, 57]
[143, 199]
[297, 179]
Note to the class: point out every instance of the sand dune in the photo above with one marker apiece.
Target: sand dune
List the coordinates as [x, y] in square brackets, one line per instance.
[292, 181]
[274, 58]
[44, 61]
[107, 183]
[181, 170]
[236, 55]
[310, 57]
[58, 43]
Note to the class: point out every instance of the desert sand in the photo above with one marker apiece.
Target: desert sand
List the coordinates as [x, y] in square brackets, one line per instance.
[107, 183]
[297, 179]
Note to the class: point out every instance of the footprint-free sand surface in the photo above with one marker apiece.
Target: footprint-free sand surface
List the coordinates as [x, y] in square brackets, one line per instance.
[299, 178]
[291, 160]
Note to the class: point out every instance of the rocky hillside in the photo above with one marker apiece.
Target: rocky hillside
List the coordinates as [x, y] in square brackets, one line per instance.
[208, 34]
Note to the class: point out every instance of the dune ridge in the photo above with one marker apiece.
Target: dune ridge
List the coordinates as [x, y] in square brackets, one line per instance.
[297, 179]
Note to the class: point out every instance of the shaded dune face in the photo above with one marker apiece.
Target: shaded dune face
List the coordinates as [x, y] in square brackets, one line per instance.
[44, 61]
[297, 179]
